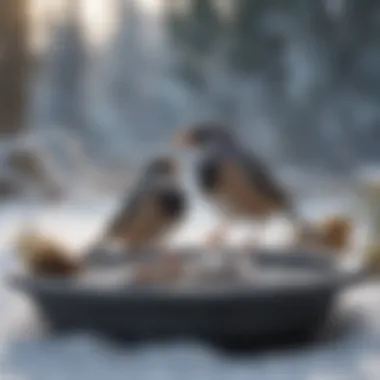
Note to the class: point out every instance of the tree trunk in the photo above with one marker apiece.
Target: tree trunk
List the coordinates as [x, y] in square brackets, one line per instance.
[13, 66]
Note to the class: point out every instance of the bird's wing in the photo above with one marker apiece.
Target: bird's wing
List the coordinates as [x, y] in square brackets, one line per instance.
[262, 179]
[147, 213]
[249, 186]
[260, 176]
[127, 211]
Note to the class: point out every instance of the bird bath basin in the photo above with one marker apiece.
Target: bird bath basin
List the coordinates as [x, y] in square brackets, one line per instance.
[292, 292]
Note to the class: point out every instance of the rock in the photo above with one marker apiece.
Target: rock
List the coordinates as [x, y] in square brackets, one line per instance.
[27, 163]
[9, 189]
[32, 169]
[51, 191]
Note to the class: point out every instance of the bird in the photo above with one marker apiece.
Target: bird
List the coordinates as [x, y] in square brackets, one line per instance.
[143, 220]
[233, 179]
[155, 205]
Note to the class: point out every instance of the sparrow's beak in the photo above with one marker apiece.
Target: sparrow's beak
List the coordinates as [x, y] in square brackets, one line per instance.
[184, 140]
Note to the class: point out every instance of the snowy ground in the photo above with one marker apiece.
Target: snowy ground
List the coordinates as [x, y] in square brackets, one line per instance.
[25, 353]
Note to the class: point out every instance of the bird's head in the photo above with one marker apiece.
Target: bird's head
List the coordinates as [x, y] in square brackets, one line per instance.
[162, 167]
[204, 135]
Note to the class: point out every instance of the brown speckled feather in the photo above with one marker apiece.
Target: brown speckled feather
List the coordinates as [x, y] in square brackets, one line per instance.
[146, 225]
[262, 179]
[244, 195]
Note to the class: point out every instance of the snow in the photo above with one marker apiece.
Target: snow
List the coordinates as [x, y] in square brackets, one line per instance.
[27, 353]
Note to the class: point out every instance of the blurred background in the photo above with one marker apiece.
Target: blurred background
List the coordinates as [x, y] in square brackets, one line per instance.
[91, 88]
